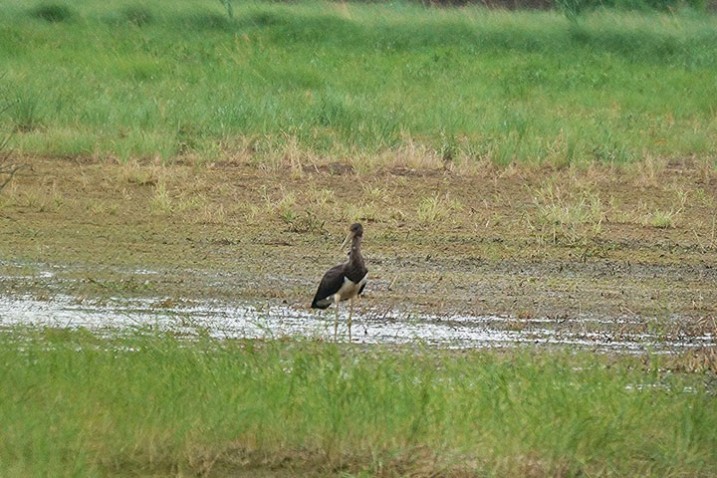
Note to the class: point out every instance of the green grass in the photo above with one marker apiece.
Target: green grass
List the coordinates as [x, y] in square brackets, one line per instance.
[180, 78]
[73, 404]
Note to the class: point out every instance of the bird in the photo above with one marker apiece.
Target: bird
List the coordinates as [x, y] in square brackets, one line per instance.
[344, 281]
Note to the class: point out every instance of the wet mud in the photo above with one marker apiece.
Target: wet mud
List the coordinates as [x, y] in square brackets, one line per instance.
[270, 322]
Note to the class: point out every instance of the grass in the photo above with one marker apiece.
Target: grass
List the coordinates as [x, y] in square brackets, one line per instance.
[436, 208]
[661, 219]
[314, 82]
[561, 215]
[308, 86]
[74, 404]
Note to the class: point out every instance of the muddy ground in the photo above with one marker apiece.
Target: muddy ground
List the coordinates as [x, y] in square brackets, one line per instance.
[525, 243]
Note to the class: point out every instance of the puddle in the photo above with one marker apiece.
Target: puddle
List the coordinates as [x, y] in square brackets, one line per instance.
[246, 320]
[254, 319]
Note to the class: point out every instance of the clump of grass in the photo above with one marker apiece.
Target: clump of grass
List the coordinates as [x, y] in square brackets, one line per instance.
[565, 217]
[293, 156]
[161, 201]
[666, 219]
[436, 208]
[321, 197]
[306, 222]
[293, 211]
[151, 403]
[363, 211]
[210, 21]
[134, 173]
[285, 208]
[43, 198]
[7, 171]
[25, 112]
[210, 213]
[53, 12]
[661, 219]
[229, 8]
[650, 169]
[138, 15]
[430, 210]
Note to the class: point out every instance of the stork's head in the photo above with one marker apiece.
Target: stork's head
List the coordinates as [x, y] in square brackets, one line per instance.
[356, 230]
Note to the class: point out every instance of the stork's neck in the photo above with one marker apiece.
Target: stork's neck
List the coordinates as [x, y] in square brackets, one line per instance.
[355, 254]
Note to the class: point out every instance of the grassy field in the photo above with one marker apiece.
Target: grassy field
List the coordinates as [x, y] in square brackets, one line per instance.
[521, 164]
[150, 404]
[312, 83]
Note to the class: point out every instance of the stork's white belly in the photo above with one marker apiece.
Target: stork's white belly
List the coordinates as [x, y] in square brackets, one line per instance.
[349, 289]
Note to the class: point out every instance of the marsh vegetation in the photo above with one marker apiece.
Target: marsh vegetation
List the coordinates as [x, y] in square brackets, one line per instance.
[371, 85]
[517, 165]
[153, 404]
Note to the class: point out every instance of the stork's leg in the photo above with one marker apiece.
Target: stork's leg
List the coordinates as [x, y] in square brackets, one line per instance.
[351, 311]
[336, 323]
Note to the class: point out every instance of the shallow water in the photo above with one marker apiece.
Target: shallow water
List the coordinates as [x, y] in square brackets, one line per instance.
[253, 320]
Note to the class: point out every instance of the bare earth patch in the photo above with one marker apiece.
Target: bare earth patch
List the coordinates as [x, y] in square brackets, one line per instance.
[525, 243]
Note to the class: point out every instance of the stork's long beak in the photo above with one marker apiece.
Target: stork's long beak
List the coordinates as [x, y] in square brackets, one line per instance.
[346, 241]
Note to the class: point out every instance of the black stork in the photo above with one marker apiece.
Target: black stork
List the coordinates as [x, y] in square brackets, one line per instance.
[344, 281]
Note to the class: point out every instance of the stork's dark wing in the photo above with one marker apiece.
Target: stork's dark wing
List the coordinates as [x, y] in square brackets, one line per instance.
[330, 284]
